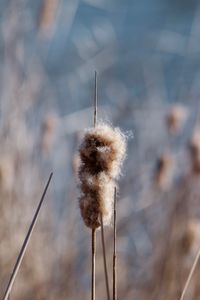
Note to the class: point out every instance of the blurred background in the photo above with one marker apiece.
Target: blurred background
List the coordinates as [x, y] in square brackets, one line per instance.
[146, 54]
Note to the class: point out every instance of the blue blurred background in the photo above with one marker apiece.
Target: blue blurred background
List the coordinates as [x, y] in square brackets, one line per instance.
[146, 54]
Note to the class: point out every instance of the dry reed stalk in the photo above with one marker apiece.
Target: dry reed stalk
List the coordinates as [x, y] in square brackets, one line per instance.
[101, 155]
[190, 275]
[101, 220]
[101, 217]
[95, 100]
[93, 264]
[104, 258]
[115, 247]
[93, 237]
[25, 244]
[94, 230]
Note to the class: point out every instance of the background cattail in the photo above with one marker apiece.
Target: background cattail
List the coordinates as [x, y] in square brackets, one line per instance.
[101, 154]
[163, 171]
[194, 148]
[6, 173]
[48, 132]
[48, 15]
[176, 117]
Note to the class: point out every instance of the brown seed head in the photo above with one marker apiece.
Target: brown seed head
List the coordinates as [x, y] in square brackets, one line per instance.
[103, 149]
[48, 132]
[187, 240]
[101, 154]
[163, 170]
[6, 173]
[194, 148]
[176, 118]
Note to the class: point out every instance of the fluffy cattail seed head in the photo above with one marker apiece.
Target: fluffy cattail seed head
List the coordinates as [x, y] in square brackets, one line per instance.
[48, 132]
[48, 16]
[6, 173]
[187, 240]
[96, 199]
[103, 150]
[163, 171]
[194, 148]
[101, 155]
[176, 118]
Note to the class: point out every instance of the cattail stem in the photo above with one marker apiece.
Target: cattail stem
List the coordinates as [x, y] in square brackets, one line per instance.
[104, 258]
[95, 99]
[25, 244]
[115, 247]
[94, 230]
[93, 264]
[190, 275]
[101, 218]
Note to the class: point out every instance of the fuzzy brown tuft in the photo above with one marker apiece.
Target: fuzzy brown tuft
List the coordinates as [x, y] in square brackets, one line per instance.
[194, 148]
[163, 171]
[101, 154]
[175, 118]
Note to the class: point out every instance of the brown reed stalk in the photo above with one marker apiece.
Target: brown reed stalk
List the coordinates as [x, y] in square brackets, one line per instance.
[101, 153]
[25, 244]
[95, 98]
[190, 275]
[94, 230]
[115, 247]
[93, 263]
[101, 217]
[104, 257]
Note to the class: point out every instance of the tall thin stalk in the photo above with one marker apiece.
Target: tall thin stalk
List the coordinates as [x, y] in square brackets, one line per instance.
[101, 218]
[93, 263]
[115, 247]
[25, 244]
[94, 230]
[104, 258]
[95, 98]
[190, 275]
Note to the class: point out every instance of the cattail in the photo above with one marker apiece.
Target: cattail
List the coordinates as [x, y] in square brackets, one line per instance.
[187, 240]
[176, 118]
[194, 148]
[75, 164]
[163, 171]
[6, 173]
[101, 154]
[48, 15]
[48, 132]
